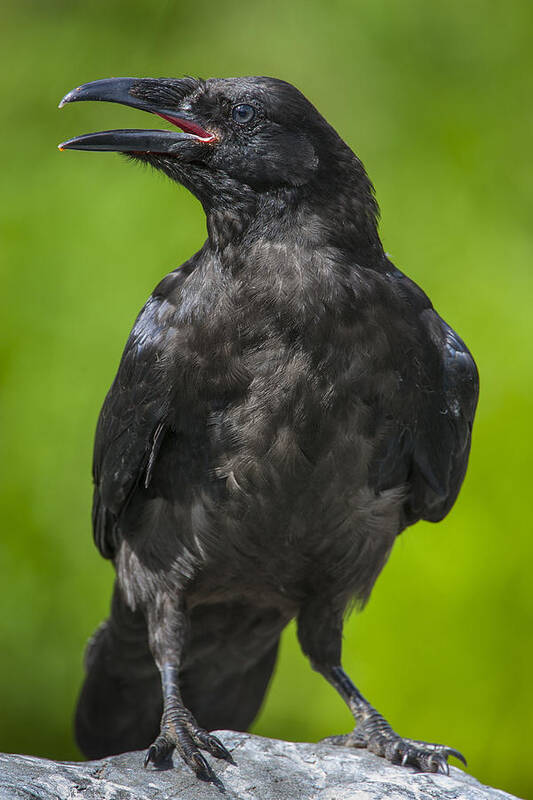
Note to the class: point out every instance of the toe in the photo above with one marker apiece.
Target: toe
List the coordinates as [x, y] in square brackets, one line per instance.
[396, 751]
[200, 766]
[442, 764]
[438, 748]
[212, 744]
[160, 750]
[377, 745]
[436, 762]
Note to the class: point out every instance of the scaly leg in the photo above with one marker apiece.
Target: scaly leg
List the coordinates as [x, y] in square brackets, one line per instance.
[167, 630]
[320, 634]
[374, 732]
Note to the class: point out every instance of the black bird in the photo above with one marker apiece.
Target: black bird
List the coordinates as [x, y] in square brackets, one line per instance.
[287, 403]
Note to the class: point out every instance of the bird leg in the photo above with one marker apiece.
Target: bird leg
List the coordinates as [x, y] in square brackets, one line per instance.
[320, 634]
[167, 628]
[373, 732]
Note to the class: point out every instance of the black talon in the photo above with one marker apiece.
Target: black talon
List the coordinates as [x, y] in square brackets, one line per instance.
[148, 756]
[202, 769]
[154, 754]
[213, 745]
[442, 764]
[219, 751]
[458, 755]
[159, 751]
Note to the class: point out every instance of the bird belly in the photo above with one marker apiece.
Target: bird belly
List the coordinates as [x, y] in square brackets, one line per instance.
[265, 496]
[271, 531]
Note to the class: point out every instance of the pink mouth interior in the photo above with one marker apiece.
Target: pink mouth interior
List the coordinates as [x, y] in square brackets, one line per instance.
[189, 127]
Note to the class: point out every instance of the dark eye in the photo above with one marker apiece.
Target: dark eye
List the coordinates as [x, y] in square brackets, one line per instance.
[243, 113]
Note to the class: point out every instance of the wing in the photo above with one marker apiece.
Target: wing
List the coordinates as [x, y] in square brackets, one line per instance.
[428, 447]
[135, 414]
[444, 433]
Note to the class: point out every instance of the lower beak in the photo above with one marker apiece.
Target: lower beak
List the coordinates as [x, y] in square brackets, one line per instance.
[129, 140]
[119, 90]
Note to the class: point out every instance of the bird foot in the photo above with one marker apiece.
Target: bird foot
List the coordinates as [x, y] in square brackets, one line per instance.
[386, 743]
[188, 739]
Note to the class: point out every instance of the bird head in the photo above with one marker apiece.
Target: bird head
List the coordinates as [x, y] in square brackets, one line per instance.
[234, 141]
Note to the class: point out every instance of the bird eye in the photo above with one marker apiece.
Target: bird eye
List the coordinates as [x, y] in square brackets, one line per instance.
[243, 113]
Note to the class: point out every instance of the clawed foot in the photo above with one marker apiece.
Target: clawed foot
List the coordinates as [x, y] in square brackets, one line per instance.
[188, 739]
[386, 743]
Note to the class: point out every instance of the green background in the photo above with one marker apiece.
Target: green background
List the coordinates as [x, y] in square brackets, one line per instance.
[435, 97]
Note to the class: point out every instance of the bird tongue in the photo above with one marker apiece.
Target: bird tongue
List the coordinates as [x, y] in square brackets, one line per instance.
[187, 126]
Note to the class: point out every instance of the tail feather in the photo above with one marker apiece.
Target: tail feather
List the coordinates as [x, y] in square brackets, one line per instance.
[231, 702]
[120, 703]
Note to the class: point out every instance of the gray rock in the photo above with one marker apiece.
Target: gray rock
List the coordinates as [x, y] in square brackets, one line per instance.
[267, 769]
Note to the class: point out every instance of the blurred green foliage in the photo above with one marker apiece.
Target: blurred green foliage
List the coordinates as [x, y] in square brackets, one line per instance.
[435, 97]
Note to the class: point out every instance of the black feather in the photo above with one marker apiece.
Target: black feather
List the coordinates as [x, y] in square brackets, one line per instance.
[287, 403]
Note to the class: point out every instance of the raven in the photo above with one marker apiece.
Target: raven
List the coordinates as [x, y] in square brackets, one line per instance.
[287, 403]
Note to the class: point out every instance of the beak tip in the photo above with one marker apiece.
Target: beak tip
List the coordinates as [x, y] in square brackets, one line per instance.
[68, 98]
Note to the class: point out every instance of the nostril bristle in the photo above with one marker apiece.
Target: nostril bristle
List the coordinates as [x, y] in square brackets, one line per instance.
[165, 91]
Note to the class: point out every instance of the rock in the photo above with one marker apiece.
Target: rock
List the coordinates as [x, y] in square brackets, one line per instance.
[267, 769]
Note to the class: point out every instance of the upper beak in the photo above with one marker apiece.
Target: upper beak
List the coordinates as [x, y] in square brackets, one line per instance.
[119, 90]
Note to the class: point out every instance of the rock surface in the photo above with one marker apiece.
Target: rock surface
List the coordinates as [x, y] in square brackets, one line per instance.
[267, 769]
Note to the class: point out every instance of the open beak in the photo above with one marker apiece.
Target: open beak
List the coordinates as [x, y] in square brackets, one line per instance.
[123, 91]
